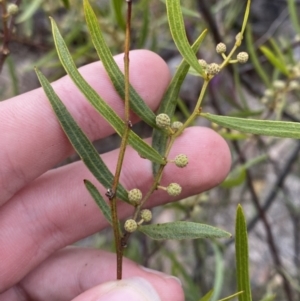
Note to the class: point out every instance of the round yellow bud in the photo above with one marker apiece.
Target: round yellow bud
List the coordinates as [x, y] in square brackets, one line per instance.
[135, 196]
[181, 160]
[269, 93]
[130, 225]
[202, 63]
[221, 48]
[174, 189]
[279, 84]
[146, 215]
[176, 125]
[213, 69]
[294, 85]
[163, 120]
[12, 9]
[242, 57]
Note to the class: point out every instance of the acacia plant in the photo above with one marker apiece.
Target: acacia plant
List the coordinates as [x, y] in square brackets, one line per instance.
[164, 134]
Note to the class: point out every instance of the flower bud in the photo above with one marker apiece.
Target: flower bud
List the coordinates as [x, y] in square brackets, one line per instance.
[221, 48]
[279, 84]
[174, 189]
[135, 196]
[12, 9]
[146, 215]
[242, 57]
[163, 120]
[202, 63]
[181, 160]
[213, 69]
[130, 225]
[176, 125]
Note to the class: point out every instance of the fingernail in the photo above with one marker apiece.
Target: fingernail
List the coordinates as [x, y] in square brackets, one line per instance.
[133, 289]
[166, 276]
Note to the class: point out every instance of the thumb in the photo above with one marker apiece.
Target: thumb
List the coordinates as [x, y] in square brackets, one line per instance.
[133, 289]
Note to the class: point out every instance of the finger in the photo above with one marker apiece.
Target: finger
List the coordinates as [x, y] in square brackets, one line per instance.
[32, 140]
[72, 271]
[56, 210]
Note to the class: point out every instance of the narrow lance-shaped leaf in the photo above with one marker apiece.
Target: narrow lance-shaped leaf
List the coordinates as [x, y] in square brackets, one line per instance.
[182, 230]
[117, 6]
[283, 129]
[254, 58]
[242, 261]
[169, 101]
[79, 140]
[145, 150]
[219, 271]
[105, 209]
[177, 29]
[274, 60]
[117, 77]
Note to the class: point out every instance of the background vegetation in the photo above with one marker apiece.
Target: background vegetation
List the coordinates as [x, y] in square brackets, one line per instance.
[265, 171]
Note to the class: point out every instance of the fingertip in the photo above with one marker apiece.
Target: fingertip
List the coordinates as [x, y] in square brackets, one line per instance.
[134, 289]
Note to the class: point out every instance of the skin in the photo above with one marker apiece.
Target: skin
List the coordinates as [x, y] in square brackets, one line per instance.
[43, 210]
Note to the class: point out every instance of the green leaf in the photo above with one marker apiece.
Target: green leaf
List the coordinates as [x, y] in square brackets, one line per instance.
[283, 129]
[254, 58]
[117, 8]
[66, 3]
[235, 178]
[30, 10]
[293, 13]
[136, 102]
[79, 140]
[274, 60]
[177, 29]
[241, 249]
[207, 296]
[238, 175]
[104, 207]
[219, 272]
[145, 28]
[144, 150]
[182, 230]
[169, 101]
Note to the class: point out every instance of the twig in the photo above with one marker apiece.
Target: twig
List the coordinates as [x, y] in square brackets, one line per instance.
[127, 127]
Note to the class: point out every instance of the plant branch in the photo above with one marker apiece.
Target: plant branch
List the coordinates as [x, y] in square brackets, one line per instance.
[127, 127]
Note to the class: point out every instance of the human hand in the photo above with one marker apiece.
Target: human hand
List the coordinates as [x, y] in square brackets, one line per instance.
[43, 211]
